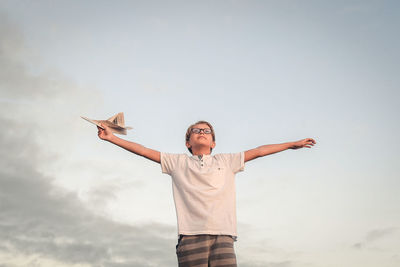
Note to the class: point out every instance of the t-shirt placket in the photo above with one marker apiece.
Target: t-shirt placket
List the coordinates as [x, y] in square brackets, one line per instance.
[201, 161]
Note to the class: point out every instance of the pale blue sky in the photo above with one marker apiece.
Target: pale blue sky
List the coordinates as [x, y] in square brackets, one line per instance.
[261, 72]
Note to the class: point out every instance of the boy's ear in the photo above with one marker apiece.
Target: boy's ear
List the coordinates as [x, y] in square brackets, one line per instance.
[213, 144]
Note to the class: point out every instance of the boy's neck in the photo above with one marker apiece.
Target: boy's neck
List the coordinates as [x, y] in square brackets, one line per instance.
[200, 152]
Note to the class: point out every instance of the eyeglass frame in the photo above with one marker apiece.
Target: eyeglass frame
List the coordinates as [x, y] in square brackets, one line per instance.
[209, 131]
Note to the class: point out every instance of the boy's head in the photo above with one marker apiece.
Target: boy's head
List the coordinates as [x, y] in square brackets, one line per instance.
[201, 133]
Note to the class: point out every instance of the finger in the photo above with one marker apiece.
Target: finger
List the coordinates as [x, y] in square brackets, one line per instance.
[310, 141]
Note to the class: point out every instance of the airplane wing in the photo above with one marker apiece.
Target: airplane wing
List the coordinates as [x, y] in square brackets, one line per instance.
[93, 121]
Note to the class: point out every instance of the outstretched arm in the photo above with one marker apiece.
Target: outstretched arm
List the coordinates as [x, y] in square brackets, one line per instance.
[262, 151]
[107, 135]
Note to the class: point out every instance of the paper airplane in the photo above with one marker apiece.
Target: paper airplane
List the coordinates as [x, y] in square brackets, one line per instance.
[116, 123]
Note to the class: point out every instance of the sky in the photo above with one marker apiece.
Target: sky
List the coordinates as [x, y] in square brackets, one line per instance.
[262, 72]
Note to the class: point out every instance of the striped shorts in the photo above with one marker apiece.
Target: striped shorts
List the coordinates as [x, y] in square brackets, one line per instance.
[206, 251]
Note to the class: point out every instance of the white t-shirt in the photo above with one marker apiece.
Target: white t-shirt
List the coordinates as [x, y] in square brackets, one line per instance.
[204, 191]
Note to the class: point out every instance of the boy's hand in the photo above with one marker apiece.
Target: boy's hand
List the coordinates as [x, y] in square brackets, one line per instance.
[308, 142]
[104, 134]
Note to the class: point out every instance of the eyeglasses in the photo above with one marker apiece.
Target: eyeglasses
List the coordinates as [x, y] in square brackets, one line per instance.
[198, 130]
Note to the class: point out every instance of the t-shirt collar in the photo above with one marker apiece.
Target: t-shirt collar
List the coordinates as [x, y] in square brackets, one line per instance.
[199, 157]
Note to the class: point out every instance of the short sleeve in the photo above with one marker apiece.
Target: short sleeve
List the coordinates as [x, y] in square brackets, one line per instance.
[168, 162]
[235, 161]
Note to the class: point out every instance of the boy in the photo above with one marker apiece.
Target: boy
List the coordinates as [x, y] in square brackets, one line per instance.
[204, 192]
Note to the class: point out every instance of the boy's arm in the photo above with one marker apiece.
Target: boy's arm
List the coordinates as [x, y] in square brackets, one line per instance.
[262, 151]
[107, 135]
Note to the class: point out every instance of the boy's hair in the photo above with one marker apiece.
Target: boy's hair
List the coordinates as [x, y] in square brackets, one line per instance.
[189, 132]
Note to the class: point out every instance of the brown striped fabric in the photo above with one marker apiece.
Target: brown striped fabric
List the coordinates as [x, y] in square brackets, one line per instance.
[206, 251]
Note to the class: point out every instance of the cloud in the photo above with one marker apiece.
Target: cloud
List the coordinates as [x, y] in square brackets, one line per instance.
[267, 264]
[377, 235]
[40, 219]
[42, 224]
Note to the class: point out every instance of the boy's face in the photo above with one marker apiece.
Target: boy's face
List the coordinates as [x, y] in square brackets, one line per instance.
[200, 139]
